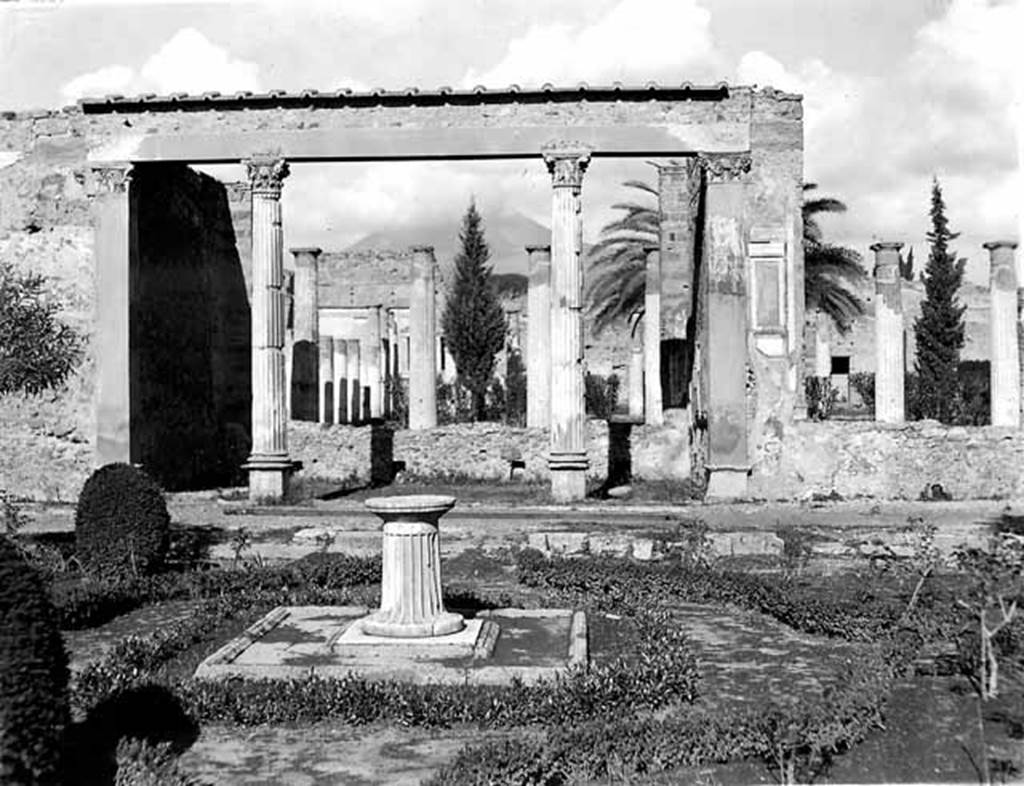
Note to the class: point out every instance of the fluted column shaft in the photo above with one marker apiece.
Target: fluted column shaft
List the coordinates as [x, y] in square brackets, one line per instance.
[568, 458]
[1003, 321]
[653, 405]
[538, 339]
[636, 379]
[341, 372]
[304, 384]
[726, 360]
[372, 376]
[422, 332]
[325, 399]
[890, 361]
[354, 388]
[269, 464]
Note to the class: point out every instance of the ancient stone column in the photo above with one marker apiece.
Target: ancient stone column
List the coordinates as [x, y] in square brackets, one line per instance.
[653, 409]
[325, 387]
[341, 372]
[269, 464]
[678, 192]
[538, 337]
[422, 332]
[391, 375]
[410, 592]
[305, 336]
[116, 235]
[568, 458]
[636, 379]
[1005, 358]
[354, 389]
[373, 368]
[889, 352]
[725, 360]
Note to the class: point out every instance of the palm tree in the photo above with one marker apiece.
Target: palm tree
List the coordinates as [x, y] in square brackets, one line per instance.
[616, 290]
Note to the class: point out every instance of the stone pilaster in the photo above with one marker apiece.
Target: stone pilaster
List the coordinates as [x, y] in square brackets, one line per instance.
[325, 387]
[304, 382]
[725, 361]
[342, 397]
[422, 332]
[116, 242]
[890, 362]
[678, 200]
[354, 389]
[1003, 322]
[269, 464]
[568, 458]
[538, 338]
[373, 378]
[653, 404]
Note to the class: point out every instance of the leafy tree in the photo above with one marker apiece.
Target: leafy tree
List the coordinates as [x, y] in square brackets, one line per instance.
[616, 289]
[37, 350]
[939, 331]
[473, 320]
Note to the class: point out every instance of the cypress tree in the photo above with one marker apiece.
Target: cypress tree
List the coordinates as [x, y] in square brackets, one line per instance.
[939, 331]
[473, 321]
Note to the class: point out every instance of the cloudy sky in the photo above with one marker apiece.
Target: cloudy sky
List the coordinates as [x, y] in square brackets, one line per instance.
[896, 91]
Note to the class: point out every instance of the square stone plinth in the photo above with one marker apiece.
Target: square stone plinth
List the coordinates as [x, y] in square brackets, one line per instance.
[293, 642]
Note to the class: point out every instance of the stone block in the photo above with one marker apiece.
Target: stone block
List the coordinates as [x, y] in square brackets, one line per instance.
[732, 544]
[538, 541]
[610, 545]
[643, 549]
[567, 543]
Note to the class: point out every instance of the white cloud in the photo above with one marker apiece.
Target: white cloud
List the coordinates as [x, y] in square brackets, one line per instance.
[636, 41]
[187, 62]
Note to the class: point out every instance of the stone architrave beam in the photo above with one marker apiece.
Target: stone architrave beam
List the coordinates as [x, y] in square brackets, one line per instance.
[116, 238]
[567, 161]
[538, 339]
[653, 403]
[422, 334]
[305, 336]
[726, 357]
[269, 464]
[1003, 322]
[890, 362]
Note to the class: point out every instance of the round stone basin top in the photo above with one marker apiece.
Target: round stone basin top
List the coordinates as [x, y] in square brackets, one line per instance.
[411, 505]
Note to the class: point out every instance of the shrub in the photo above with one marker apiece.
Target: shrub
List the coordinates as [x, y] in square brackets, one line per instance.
[33, 675]
[142, 763]
[863, 382]
[122, 527]
[601, 395]
[821, 397]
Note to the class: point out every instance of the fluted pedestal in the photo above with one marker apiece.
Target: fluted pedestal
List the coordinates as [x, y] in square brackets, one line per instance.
[1005, 358]
[411, 604]
[269, 465]
[538, 338]
[568, 458]
[890, 362]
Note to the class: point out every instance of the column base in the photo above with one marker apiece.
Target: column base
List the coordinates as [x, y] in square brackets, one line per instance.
[380, 624]
[269, 476]
[727, 482]
[568, 476]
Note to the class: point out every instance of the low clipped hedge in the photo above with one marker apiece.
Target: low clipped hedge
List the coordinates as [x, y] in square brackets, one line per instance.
[33, 675]
[122, 528]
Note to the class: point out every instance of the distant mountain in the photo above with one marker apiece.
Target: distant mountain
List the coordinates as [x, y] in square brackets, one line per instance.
[507, 235]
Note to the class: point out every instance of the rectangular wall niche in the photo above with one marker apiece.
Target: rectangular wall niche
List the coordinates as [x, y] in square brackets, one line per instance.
[767, 256]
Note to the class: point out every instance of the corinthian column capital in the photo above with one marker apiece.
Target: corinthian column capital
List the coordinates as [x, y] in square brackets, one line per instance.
[566, 161]
[110, 178]
[266, 173]
[726, 167]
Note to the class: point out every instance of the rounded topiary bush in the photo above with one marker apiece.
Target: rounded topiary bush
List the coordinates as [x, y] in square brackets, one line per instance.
[122, 527]
[33, 675]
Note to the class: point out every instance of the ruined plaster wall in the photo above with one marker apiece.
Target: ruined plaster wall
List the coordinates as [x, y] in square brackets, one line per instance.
[856, 458]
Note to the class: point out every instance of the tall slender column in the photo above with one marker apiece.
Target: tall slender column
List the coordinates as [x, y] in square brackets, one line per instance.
[653, 409]
[115, 244]
[391, 374]
[341, 394]
[306, 334]
[422, 331]
[889, 352]
[726, 356]
[269, 464]
[678, 191]
[326, 409]
[372, 366]
[538, 337]
[636, 379]
[567, 161]
[1003, 321]
[355, 383]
